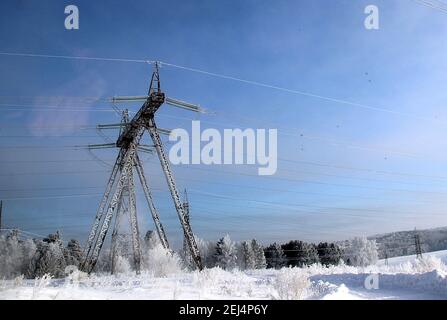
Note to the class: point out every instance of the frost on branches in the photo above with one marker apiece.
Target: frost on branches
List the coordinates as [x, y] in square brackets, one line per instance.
[275, 257]
[226, 254]
[156, 260]
[360, 252]
[251, 256]
[49, 256]
[36, 258]
[15, 255]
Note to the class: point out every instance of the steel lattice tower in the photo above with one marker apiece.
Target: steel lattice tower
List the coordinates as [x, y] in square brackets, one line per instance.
[417, 243]
[119, 195]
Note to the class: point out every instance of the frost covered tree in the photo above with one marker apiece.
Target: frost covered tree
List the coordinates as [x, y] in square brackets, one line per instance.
[121, 265]
[207, 251]
[49, 258]
[73, 253]
[160, 262]
[251, 256]
[360, 252]
[247, 257]
[151, 239]
[275, 256]
[258, 253]
[15, 255]
[225, 254]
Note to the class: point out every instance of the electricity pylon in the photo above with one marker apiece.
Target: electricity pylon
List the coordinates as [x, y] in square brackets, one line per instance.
[120, 189]
[417, 243]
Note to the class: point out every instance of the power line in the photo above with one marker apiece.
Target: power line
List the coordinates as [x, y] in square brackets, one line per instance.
[303, 93]
[54, 173]
[208, 194]
[299, 205]
[62, 107]
[75, 57]
[210, 183]
[282, 132]
[55, 197]
[71, 126]
[227, 77]
[244, 174]
[49, 161]
[315, 182]
[312, 163]
[50, 188]
[286, 170]
[332, 141]
[55, 98]
[23, 231]
[217, 214]
[74, 147]
[290, 132]
[53, 110]
[437, 5]
[44, 137]
[373, 171]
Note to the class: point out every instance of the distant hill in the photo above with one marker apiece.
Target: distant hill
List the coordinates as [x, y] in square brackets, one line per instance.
[402, 243]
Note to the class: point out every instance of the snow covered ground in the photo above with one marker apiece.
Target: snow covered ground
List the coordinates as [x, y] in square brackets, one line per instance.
[402, 278]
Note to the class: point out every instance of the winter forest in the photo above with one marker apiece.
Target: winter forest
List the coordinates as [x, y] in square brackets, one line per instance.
[33, 258]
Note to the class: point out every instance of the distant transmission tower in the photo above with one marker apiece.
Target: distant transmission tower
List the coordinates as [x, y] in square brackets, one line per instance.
[417, 243]
[386, 257]
[119, 195]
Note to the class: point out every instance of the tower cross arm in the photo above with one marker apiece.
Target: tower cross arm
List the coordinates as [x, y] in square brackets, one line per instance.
[147, 111]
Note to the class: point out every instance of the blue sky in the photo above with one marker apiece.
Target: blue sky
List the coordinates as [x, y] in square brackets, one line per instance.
[353, 170]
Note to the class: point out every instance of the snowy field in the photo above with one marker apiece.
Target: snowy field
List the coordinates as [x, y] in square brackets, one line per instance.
[402, 278]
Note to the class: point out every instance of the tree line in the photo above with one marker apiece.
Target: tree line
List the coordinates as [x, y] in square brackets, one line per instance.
[244, 255]
[37, 257]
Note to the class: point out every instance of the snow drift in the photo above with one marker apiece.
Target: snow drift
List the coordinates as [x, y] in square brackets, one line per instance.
[411, 279]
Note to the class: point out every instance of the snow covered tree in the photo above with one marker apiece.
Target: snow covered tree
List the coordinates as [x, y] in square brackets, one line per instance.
[275, 256]
[161, 262]
[207, 250]
[151, 239]
[73, 253]
[246, 257]
[49, 258]
[258, 253]
[15, 255]
[360, 252]
[185, 254]
[225, 254]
